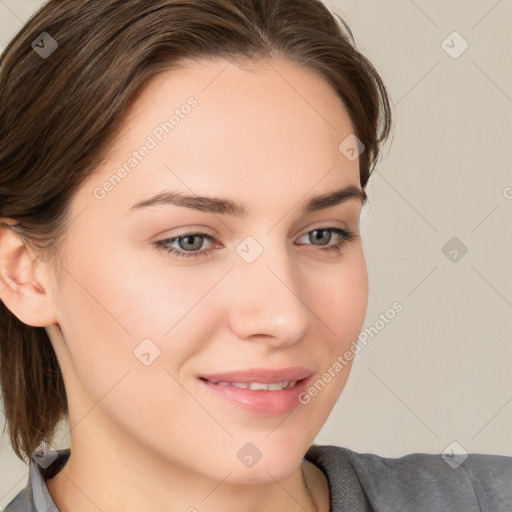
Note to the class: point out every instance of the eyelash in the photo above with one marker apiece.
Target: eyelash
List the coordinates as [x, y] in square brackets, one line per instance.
[346, 236]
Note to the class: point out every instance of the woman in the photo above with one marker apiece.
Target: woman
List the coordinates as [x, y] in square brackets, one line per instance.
[181, 262]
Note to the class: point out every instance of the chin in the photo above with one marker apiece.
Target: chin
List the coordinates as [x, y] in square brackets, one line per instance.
[265, 464]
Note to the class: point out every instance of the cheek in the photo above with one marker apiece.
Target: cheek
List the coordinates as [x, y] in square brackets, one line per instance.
[110, 310]
[123, 305]
[341, 300]
[341, 305]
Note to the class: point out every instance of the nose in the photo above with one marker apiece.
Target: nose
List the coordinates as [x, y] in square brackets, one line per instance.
[266, 302]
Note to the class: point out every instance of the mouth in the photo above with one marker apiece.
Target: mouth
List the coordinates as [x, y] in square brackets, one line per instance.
[260, 375]
[260, 392]
[258, 386]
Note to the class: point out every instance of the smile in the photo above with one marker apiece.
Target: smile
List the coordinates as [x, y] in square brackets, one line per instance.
[259, 398]
[259, 386]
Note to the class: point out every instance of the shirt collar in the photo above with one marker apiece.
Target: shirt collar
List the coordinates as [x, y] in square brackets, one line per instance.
[47, 465]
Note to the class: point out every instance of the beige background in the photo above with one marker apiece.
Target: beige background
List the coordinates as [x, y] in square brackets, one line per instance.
[440, 370]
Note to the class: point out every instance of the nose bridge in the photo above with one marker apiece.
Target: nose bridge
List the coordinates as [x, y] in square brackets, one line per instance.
[266, 298]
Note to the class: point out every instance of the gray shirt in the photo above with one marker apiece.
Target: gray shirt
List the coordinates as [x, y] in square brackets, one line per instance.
[358, 482]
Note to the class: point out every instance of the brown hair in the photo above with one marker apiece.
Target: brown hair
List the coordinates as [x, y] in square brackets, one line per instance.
[59, 114]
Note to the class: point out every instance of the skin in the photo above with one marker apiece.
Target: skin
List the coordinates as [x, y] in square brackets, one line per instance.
[149, 437]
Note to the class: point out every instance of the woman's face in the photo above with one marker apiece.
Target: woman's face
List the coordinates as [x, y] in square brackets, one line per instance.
[143, 326]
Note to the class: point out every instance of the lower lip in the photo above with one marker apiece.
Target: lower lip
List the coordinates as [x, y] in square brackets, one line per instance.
[263, 403]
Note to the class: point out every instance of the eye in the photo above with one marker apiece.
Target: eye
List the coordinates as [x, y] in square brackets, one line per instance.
[189, 244]
[325, 235]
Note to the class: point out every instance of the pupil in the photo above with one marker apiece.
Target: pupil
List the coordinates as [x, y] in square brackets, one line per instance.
[316, 237]
[187, 240]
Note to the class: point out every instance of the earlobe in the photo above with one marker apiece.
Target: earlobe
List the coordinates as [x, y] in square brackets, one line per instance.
[20, 289]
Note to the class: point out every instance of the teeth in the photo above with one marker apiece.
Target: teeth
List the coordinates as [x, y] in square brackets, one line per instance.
[244, 385]
[275, 386]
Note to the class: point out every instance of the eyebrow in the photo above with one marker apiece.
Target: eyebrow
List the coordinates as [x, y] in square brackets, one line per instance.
[228, 207]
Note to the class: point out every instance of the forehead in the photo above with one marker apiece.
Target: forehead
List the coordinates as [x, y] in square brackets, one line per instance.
[244, 99]
[212, 125]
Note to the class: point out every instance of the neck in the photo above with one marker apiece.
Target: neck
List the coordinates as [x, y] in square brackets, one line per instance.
[136, 483]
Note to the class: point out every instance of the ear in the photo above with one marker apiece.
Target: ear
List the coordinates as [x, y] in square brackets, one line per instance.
[24, 280]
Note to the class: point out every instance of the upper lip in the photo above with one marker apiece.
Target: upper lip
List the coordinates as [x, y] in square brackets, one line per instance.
[263, 375]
